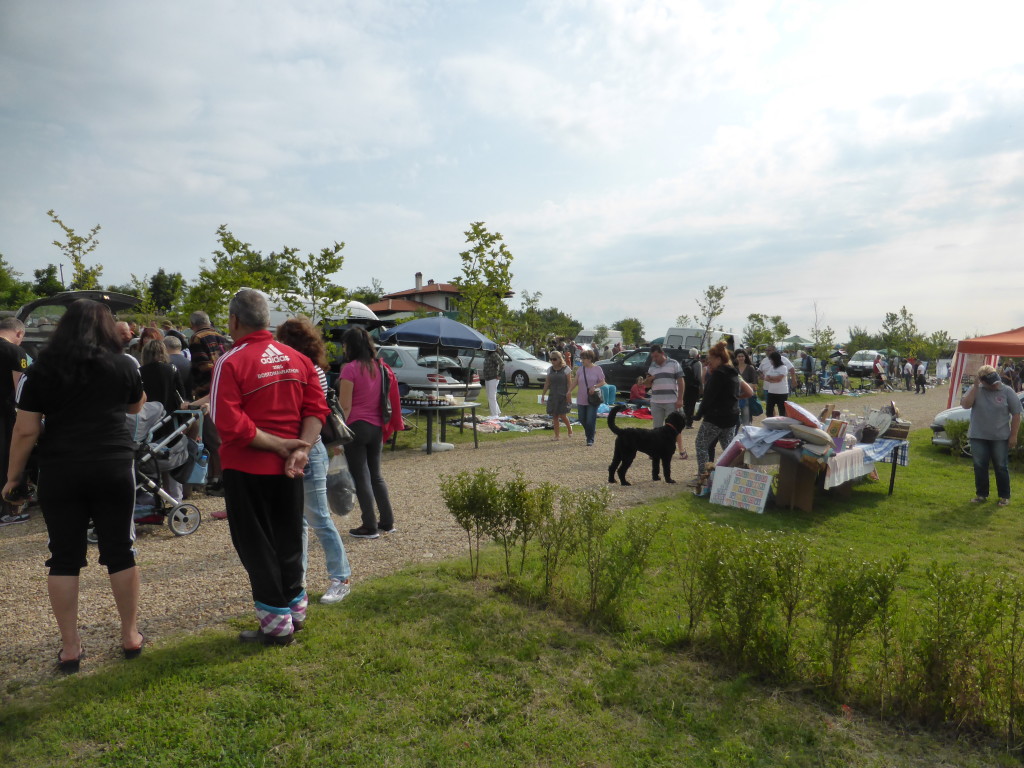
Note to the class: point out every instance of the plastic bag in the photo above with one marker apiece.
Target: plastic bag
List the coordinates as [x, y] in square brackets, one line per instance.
[341, 488]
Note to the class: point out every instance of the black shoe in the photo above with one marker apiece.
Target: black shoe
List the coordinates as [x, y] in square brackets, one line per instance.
[216, 488]
[257, 636]
[69, 666]
[362, 532]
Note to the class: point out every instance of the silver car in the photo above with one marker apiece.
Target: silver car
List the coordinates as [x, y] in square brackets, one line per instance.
[521, 368]
[429, 372]
[938, 427]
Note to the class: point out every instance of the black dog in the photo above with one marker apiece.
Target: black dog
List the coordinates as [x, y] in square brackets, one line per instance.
[658, 443]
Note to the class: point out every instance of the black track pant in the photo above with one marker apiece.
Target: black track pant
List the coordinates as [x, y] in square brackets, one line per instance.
[265, 518]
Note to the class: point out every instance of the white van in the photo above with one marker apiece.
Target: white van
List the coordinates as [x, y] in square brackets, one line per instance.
[586, 337]
[686, 338]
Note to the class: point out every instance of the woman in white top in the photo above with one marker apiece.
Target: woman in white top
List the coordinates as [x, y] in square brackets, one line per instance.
[776, 379]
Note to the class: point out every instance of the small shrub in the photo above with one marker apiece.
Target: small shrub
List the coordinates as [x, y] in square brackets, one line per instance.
[848, 603]
[508, 522]
[473, 500]
[556, 534]
[956, 622]
[742, 600]
[698, 562]
[789, 557]
[956, 431]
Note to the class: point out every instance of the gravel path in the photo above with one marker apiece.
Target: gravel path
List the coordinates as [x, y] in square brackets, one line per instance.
[196, 581]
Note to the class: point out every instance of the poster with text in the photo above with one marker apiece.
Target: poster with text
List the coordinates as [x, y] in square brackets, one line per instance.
[741, 488]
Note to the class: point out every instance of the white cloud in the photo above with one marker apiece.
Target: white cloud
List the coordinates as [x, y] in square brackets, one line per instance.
[631, 151]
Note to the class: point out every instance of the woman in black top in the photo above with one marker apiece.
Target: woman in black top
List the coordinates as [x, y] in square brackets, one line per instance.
[718, 408]
[161, 381]
[83, 385]
[748, 373]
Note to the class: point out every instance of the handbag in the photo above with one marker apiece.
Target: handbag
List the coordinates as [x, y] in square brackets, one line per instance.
[593, 398]
[335, 431]
[756, 409]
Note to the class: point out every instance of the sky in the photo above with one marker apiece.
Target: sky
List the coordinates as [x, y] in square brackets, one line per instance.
[838, 159]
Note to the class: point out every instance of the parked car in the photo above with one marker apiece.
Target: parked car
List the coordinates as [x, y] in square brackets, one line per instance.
[938, 427]
[623, 369]
[521, 368]
[426, 371]
[40, 316]
[862, 363]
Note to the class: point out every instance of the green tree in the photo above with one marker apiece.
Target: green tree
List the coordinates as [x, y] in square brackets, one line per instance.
[600, 337]
[486, 280]
[632, 330]
[47, 282]
[13, 291]
[890, 334]
[233, 266]
[313, 276]
[860, 339]
[368, 294]
[75, 248]
[937, 344]
[685, 321]
[762, 329]
[710, 307]
[166, 290]
[910, 338]
[824, 337]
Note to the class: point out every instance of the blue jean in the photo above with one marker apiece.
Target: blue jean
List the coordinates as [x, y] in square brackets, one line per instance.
[588, 418]
[363, 456]
[317, 516]
[998, 452]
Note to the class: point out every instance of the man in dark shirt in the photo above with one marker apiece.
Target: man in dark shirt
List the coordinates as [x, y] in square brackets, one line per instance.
[13, 363]
[179, 361]
[205, 347]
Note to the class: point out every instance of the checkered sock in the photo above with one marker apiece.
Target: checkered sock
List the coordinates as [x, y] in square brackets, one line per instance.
[274, 621]
[298, 607]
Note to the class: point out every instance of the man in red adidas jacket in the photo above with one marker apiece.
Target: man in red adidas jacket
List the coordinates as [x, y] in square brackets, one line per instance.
[269, 408]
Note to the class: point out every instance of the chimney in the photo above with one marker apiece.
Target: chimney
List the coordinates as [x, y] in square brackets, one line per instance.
[419, 280]
[430, 281]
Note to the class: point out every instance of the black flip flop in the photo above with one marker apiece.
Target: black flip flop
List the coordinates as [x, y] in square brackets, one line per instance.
[134, 653]
[69, 666]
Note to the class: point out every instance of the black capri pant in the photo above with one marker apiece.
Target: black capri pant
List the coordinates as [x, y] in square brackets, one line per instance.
[71, 495]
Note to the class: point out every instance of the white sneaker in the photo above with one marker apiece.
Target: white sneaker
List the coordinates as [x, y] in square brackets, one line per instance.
[337, 592]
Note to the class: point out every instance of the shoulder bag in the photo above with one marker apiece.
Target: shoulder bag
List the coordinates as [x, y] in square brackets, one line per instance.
[335, 431]
[593, 398]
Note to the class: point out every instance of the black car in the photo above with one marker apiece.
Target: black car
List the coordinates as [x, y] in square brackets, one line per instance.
[40, 316]
[623, 369]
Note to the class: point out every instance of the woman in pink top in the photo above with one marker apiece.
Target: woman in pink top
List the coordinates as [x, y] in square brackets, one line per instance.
[359, 393]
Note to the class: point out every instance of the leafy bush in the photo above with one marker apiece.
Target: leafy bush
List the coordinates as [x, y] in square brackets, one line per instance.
[474, 501]
[848, 601]
[959, 616]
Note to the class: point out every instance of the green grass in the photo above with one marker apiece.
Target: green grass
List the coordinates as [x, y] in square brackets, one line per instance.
[426, 668]
[423, 669]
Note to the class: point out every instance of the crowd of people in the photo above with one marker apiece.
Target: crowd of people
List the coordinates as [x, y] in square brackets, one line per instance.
[266, 393]
[266, 398]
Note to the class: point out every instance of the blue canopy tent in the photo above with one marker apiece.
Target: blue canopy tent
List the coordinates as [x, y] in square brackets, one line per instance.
[438, 331]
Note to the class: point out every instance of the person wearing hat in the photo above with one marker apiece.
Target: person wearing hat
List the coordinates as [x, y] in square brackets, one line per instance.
[995, 418]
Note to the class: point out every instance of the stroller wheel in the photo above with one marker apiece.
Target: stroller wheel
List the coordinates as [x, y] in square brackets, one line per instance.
[184, 519]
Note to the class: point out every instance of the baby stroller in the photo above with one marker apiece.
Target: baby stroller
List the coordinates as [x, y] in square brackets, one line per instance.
[174, 452]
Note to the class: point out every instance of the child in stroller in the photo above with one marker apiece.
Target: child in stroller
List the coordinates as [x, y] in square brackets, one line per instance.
[171, 457]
